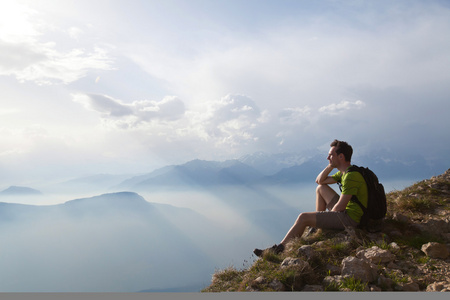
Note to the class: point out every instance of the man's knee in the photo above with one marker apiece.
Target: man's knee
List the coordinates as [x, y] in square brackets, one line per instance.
[305, 218]
[322, 189]
[318, 189]
[326, 192]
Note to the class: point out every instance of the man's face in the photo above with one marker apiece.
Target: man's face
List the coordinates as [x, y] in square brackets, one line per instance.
[333, 157]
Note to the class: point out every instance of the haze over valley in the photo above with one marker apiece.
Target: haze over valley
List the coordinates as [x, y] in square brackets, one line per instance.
[168, 229]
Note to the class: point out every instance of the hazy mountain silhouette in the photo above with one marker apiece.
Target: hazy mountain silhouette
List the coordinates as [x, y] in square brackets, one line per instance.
[195, 173]
[112, 242]
[19, 191]
[199, 173]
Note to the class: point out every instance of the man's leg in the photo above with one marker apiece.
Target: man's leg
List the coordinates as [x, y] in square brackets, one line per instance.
[303, 220]
[324, 195]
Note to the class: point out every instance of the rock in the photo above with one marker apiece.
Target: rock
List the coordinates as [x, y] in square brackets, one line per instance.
[400, 217]
[332, 281]
[276, 285]
[411, 287]
[297, 262]
[436, 226]
[376, 255]
[435, 250]
[334, 270]
[446, 236]
[359, 268]
[306, 250]
[313, 288]
[396, 234]
[385, 283]
[394, 246]
[438, 286]
[392, 265]
[374, 288]
[319, 244]
[259, 280]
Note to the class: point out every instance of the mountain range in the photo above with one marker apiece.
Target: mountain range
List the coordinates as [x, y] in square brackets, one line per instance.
[113, 242]
[249, 170]
[256, 169]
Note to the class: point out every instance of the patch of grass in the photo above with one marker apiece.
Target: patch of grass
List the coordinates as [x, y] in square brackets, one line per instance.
[383, 244]
[397, 277]
[339, 247]
[348, 284]
[227, 279]
[415, 204]
[271, 257]
[417, 240]
[293, 278]
[423, 259]
[353, 284]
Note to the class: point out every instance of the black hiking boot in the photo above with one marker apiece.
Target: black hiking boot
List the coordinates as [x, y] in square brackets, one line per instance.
[277, 249]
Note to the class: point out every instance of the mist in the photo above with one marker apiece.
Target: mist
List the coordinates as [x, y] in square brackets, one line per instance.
[121, 242]
[157, 239]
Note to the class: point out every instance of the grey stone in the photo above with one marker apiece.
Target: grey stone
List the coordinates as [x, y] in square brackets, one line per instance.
[435, 250]
[359, 268]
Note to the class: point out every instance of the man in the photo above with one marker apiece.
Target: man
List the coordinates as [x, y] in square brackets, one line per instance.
[341, 211]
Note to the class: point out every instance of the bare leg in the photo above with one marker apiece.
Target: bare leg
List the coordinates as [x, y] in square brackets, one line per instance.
[303, 220]
[324, 194]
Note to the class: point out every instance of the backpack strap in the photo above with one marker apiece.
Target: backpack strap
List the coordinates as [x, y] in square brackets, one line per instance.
[355, 199]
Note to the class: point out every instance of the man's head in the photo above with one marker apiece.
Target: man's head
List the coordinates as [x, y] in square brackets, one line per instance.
[340, 147]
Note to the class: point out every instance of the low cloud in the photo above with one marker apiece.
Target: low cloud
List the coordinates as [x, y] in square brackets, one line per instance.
[131, 115]
[232, 120]
[292, 116]
[335, 109]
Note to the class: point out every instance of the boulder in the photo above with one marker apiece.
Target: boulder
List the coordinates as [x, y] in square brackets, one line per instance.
[376, 255]
[410, 286]
[435, 250]
[307, 251]
[442, 286]
[297, 262]
[277, 285]
[358, 268]
[332, 281]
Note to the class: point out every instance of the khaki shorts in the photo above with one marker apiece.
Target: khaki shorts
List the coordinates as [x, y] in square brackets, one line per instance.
[334, 219]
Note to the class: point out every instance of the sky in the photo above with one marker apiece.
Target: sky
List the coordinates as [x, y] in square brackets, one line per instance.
[117, 87]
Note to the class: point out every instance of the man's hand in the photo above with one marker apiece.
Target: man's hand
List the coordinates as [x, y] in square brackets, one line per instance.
[342, 203]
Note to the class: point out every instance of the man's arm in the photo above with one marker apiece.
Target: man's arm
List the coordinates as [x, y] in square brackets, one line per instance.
[323, 177]
[342, 203]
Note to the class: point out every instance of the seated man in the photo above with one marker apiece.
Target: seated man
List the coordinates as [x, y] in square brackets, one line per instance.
[341, 211]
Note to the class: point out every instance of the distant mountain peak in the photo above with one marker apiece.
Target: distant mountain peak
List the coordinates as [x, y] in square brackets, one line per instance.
[118, 196]
[20, 190]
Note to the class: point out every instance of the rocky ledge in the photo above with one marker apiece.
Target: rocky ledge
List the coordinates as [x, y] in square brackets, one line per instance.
[411, 253]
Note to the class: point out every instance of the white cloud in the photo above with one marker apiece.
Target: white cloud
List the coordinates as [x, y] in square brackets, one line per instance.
[335, 109]
[231, 120]
[25, 55]
[75, 32]
[44, 65]
[132, 115]
[291, 69]
[292, 116]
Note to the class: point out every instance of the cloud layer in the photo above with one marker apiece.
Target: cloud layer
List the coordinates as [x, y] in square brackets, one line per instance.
[217, 81]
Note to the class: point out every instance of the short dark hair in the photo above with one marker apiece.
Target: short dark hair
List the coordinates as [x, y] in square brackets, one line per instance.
[344, 148]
